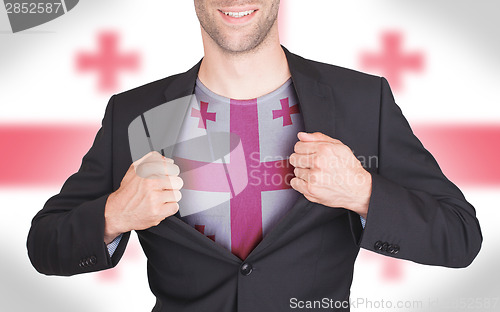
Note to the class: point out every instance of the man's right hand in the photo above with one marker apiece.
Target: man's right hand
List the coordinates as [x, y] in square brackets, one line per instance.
[148, 193]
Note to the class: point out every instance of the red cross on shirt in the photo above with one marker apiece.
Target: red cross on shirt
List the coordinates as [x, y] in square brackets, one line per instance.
[286, 112]
[203, 114]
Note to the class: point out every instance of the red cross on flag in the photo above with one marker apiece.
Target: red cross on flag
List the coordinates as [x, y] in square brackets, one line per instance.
[107, 62]
[203, 114]
[392, 62]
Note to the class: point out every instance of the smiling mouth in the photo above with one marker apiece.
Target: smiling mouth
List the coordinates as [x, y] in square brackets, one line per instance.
[239, 14]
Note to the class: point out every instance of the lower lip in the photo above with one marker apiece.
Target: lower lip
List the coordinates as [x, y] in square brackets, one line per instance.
[237, 20]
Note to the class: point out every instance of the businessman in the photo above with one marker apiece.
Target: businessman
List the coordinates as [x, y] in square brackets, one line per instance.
[281, 213]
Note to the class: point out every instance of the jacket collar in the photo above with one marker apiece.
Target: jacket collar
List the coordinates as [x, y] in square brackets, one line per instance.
[315, 97]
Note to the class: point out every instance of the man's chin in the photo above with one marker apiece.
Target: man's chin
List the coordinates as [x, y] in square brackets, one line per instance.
[239, 50]
[240, 46]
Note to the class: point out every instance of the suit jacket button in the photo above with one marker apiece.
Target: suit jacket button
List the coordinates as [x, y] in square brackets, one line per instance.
[390, 249]
[246, 269]
[93, 260]
[384, 246]
[378, 245]
[396, 249]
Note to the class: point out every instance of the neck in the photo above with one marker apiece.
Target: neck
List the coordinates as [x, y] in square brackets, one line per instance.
[244, 75]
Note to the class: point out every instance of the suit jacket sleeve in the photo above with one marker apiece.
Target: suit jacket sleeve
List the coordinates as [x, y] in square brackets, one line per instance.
[414, 209]
[67, 235]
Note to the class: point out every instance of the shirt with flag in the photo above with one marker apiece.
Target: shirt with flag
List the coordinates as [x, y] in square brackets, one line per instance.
[239, 188]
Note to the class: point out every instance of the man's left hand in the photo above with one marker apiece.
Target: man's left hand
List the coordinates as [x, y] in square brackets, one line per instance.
[328, 173]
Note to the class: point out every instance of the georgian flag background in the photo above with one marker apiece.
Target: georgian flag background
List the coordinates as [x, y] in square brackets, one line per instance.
[440, 57]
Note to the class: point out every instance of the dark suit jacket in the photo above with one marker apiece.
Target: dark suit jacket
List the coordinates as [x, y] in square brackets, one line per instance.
[415, 212]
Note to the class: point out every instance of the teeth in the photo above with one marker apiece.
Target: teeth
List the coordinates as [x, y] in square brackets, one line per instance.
[239, 14]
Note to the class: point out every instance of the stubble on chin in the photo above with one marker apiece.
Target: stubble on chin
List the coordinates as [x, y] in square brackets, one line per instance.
[247, 44]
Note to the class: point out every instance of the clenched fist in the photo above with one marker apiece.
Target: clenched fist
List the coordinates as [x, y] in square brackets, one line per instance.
[328, 173]
[149, 192]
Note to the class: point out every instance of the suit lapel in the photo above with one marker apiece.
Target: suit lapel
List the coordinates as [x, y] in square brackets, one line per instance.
[182, 84]
[318, 110]
[316, 100]
[157, 127]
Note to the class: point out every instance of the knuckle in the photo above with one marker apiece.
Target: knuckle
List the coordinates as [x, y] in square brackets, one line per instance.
[303, 162]
[338, 141]
[144, 166]
[172, 169]
[148, 183]
[168, 160]
[155, 155]
[296, 161]
[296, 147]
[311, 199]
[323, 148]
[315, 171]
[298, 185]
[345, 150]
[155, 222]
[143, 170]
[172, 208]
[158, 219]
